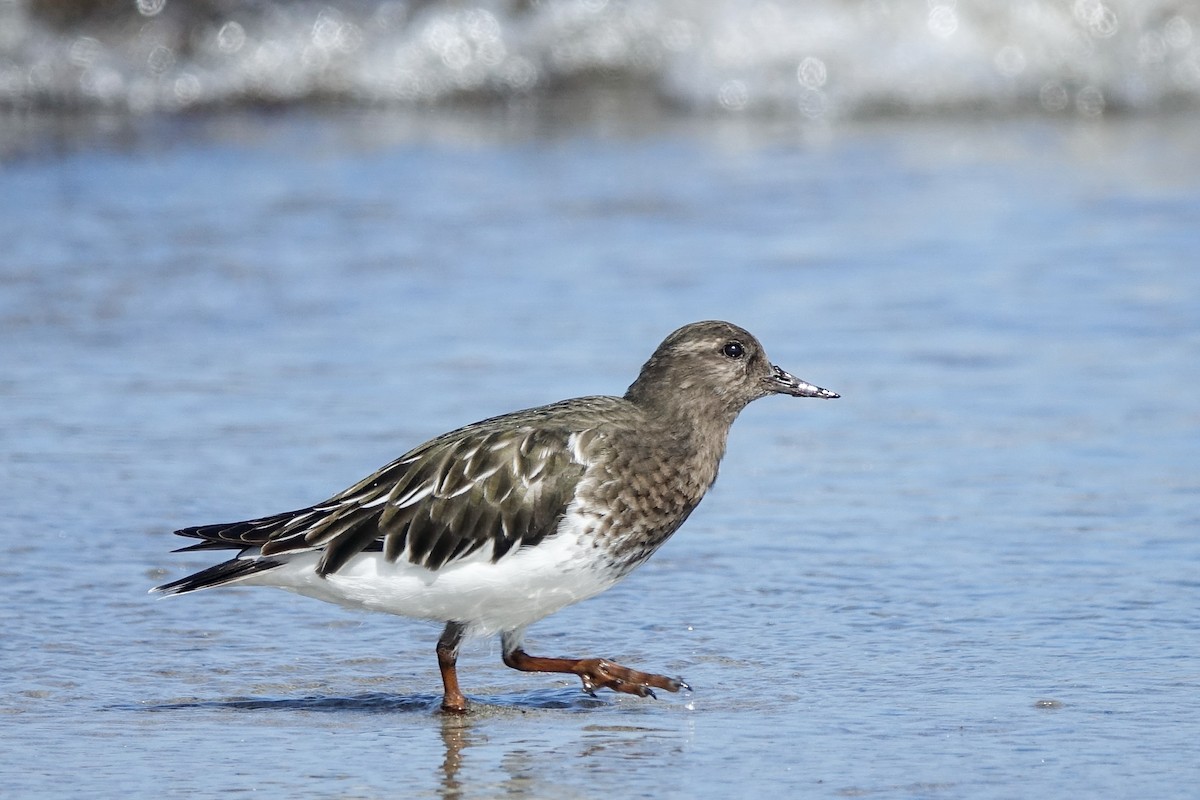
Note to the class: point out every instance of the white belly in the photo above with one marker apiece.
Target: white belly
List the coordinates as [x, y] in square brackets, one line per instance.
[519, 589]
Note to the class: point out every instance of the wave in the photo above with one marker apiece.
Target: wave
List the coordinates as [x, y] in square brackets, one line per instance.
[806, 58]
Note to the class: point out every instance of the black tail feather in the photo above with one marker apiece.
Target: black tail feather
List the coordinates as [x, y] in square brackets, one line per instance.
[221, 574]
[238, 535]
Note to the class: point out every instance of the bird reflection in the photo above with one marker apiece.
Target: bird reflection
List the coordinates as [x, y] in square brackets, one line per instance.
[457, 735]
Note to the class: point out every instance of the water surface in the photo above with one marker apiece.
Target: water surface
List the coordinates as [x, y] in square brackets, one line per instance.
[972, 576]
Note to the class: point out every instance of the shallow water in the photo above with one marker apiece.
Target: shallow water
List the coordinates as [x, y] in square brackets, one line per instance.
[973, 575]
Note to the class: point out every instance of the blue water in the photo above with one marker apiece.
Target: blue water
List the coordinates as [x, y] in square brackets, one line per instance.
[975, 575]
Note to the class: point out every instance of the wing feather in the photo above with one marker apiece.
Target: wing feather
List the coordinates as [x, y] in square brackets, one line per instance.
[493, 486]
[350, 539]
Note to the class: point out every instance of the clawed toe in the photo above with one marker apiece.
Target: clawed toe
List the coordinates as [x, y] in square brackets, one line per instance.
[598, 673]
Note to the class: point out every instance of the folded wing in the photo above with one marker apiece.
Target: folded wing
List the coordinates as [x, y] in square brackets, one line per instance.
[481, 488]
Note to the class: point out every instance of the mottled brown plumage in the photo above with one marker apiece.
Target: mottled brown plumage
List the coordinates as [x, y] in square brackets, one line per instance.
[597, 483]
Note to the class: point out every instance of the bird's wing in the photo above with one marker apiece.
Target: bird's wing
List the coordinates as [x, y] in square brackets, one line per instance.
[479, 486]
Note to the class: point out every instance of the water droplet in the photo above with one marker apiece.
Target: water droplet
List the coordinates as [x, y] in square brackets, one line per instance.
[943, 21]
[1178, 33]
[811, 72]
[1090, 101]
[733, 95]
[1010, 61]
[1053, 96]
[187, 89]
[1100, 20]
[231, 37]
[84, 51]
[150, 8]
[160, 59]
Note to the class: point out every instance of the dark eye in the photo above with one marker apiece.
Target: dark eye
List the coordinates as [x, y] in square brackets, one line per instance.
[733, 350]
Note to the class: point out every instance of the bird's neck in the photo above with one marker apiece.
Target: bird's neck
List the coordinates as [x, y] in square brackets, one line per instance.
[696, 424]
[687, 409]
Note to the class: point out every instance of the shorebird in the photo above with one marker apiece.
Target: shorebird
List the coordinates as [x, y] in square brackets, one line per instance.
[498, 524]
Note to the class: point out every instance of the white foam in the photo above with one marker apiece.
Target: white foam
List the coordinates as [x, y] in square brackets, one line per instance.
[809, 58]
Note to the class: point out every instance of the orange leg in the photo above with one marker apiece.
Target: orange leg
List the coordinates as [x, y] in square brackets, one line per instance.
[596, 673]
[453, 700]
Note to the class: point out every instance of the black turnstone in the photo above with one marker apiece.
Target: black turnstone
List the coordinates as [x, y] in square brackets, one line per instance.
[496, 525]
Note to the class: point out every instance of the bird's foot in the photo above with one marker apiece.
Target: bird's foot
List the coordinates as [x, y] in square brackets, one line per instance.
[454, 704]
[596, 673]
[600, 673]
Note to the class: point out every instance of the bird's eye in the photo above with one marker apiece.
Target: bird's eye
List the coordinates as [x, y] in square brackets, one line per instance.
[733, 350]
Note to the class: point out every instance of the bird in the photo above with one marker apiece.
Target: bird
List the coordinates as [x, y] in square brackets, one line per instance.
[498, 524]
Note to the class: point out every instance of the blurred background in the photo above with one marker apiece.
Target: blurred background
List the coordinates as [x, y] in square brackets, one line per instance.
[812, 59]
[251, 251]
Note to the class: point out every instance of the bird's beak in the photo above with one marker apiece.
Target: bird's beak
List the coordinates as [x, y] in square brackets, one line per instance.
[785, 383]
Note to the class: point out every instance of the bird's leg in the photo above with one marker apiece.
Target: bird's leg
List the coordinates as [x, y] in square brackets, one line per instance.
[596, 673]
[453, 700]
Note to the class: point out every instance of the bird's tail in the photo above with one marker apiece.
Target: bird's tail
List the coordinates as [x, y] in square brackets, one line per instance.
[226, 572]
